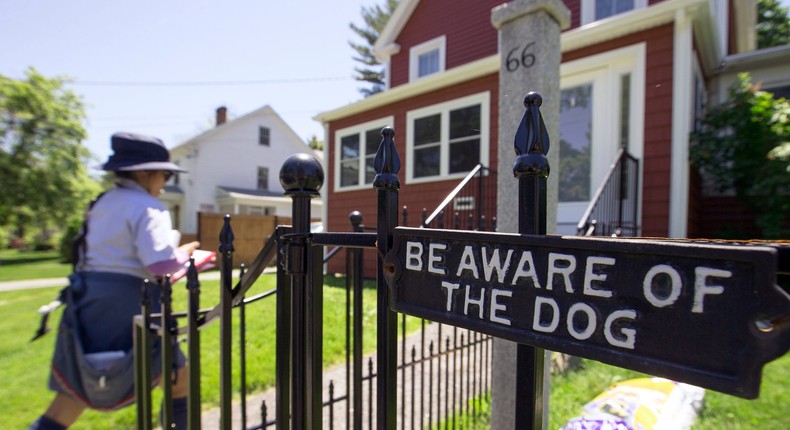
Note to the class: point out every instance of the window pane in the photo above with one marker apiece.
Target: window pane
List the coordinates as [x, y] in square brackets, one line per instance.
[427, 130]
[349, 173]
[349, 147]
[607, 8]
[428, 63]
[370, 172]
[263, 178]
[464, 155]
[465, 122]
[263, 136]
[426, 161]
[625, 109]
[575, 143]
[372, 140]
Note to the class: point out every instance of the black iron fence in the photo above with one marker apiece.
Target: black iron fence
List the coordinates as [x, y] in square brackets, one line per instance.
[443, 373]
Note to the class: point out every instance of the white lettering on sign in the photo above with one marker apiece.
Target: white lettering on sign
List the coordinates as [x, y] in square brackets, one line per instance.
[489, 276]
[495, 307]
[565, 270]
[468, 262]
[414, 256]
[701, 274]
[434, 259]
[495, 264]
[649, 282]
[628, 334]
[521, 272]
[590, 276]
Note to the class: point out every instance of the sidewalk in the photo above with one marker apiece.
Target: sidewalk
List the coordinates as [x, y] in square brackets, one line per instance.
[62, 282]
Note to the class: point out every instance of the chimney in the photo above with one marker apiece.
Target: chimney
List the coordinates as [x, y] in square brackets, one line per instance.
[222, 115]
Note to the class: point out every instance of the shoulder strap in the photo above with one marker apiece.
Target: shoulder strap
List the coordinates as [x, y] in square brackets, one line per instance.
[79, 246]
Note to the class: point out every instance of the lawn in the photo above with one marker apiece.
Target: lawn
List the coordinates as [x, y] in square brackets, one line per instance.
[21, 265]
[26, 365]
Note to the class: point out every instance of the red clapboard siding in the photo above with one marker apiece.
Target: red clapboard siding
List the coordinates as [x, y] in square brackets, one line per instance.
[415, 197]
[466, 25]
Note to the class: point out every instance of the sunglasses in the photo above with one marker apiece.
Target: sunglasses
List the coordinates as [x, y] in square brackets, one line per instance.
[168, 175]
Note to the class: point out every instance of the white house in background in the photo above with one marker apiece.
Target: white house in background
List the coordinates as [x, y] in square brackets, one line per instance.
[234, 169]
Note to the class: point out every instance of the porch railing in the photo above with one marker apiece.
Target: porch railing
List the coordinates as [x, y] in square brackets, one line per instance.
[471, 205]
[613, 209]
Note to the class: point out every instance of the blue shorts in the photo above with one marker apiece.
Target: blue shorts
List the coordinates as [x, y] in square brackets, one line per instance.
[106, 304]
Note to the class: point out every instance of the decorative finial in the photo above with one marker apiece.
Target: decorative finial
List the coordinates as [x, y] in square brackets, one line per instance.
[532, 140]
[301, 174]
[387, 162]
[532, 135]
[226, 237]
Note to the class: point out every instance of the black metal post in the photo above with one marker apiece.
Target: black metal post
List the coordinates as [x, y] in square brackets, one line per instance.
[282, 402]
[193, 346]
[243, 355]
[386, 184]
[166, 324]
[144, 406]
[301, 177]
[356, 274]
[532, 170]
[225, 324]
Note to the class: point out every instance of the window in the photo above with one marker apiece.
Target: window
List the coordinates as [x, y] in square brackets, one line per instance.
[427, 58]
[595, 10]
[263, 136]
[263, 178]
[448, 139]
[355, 153]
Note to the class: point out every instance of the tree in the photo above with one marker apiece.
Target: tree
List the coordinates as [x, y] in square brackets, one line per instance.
[742, 147]
[42, 159]
[314, 143]
[371, 70]
[773, 24]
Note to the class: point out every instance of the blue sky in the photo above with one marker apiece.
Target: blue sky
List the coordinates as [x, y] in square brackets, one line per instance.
[292, 55]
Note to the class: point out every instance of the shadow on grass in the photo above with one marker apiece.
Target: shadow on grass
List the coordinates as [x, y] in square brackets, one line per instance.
[29, 260]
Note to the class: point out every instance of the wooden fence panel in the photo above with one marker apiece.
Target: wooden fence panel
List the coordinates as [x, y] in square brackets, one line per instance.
[250, 233]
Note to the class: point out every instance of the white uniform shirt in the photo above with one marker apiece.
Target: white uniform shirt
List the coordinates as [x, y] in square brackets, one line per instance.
[128, 229]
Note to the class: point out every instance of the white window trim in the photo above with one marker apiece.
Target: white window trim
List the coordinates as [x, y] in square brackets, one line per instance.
[588, 10]
[417, 50]
[358, 129]
[483, 99]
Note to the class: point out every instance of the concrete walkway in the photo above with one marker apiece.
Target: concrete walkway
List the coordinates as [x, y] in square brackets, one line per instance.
[62, 282]
[416, 413]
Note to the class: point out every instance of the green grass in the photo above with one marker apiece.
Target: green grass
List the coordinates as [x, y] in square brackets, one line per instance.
[21, 265]
[25, 365]
[572, 390]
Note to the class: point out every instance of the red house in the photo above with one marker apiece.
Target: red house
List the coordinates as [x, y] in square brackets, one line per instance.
[635, 74]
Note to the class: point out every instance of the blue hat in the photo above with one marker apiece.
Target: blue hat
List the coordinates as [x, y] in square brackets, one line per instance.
[139, 152]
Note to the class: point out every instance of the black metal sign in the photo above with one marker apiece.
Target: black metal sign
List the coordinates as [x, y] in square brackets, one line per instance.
[695, 313]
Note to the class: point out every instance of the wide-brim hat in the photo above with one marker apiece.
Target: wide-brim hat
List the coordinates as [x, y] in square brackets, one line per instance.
[133, 152]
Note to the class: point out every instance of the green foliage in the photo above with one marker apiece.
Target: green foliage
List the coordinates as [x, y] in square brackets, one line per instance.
[773, 24]
[736, 149]
[314, 143]
[42, 160]
[371, 70]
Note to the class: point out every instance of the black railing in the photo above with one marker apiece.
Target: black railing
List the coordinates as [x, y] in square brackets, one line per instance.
[471, 205]
[443, 376]
[613, 209]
